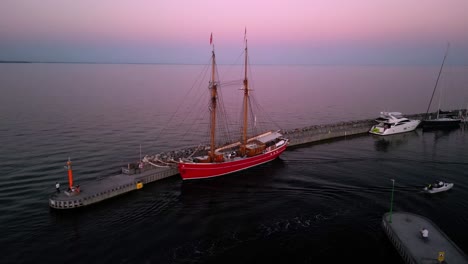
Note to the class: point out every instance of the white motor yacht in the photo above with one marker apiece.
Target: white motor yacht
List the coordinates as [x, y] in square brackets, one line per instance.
[390, 123]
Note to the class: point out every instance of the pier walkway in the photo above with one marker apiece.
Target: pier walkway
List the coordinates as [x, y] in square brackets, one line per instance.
[133, 178]
[403, 230]
[108, 187]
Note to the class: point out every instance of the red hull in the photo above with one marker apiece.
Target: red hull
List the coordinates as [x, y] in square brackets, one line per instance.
[189, 171]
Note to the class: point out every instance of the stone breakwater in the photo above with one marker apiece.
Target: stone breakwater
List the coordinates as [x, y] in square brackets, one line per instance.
[317, 133]
[160, 166]
[298, 136]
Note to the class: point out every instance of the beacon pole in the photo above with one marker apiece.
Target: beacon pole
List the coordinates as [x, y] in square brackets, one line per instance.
[391, 201]
[70, 173]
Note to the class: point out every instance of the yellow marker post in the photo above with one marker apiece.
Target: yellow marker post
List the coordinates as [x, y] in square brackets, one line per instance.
[139, 185]
[441, 257]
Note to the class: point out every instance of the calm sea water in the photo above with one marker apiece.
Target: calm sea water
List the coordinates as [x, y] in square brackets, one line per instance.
[318, 202]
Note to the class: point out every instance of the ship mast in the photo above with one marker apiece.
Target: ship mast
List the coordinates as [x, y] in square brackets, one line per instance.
[437, 81]
[246, 95]
[214, 96]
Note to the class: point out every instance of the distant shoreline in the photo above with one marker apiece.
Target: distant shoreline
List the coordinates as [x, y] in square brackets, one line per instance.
[166, 63]
[15, 61]
[87, 62]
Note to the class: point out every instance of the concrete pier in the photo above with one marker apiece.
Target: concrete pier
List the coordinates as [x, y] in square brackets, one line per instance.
[133, 178]
[331, 131]
[108, 187]
[403, 230]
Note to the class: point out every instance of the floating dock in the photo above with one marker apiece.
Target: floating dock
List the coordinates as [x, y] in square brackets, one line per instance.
[403, 230]
[135, 176]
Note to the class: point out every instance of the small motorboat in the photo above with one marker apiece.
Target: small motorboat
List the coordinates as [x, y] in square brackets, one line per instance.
[439, 186]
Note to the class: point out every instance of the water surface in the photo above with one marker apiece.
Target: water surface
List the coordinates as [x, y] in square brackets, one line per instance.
[318, 202]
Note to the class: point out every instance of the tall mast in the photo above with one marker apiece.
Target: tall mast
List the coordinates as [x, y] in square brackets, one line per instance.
[214, 96]
[437, 81]
[246, 96]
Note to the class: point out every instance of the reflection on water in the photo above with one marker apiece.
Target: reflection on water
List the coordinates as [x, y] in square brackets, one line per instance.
[386, 143]
[440, 132]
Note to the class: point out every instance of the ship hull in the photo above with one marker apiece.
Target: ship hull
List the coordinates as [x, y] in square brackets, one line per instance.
[192, 171]
[441, 123]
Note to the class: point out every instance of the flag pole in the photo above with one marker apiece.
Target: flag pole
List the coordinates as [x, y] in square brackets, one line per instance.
[391, 201]
[211, 41]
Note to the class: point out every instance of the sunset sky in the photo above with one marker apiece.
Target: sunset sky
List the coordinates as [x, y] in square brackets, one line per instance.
[278, 32]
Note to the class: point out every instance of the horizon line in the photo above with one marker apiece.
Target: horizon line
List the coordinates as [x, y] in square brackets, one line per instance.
[259, 64]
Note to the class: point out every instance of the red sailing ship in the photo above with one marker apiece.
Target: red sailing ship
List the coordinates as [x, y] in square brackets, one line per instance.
[247, 152]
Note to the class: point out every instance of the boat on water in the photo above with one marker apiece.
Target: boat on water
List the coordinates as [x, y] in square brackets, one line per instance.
[246, 152]
[464, 118]
[389, 123]
[443, 119]
[438, 186]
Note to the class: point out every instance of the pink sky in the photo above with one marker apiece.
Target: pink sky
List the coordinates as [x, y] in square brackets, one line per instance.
[177, 31]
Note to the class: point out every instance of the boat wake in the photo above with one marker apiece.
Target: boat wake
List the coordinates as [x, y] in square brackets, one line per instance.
[201, 250]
